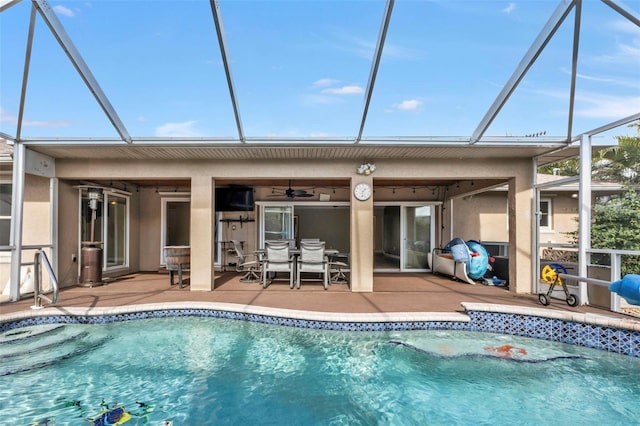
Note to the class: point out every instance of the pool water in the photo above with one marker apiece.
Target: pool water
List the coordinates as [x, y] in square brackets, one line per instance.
[201, 371]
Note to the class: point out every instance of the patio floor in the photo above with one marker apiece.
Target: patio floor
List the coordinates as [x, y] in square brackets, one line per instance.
[423, 292]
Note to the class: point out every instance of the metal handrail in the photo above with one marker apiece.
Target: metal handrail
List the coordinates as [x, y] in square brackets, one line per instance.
[39, 258]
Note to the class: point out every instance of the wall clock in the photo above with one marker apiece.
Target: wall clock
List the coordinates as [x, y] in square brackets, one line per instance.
[362, 191]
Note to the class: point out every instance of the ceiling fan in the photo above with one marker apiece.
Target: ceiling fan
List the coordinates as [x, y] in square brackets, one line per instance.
[292, 193]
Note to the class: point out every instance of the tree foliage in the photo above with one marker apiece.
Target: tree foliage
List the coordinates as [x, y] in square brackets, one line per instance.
[615, 220]
[616, 225]
[620, 163]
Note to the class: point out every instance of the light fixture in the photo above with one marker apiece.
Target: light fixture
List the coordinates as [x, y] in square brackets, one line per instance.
[366, 168]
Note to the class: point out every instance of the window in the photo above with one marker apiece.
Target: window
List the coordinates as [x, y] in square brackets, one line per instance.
[5, 212]
[545, 214]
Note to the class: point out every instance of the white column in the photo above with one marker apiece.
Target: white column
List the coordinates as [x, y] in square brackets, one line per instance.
[17, 212]
[53, 211]
[584, 215]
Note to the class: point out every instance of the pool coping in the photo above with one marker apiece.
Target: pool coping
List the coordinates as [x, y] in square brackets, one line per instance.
[365, 317]
[586, 318]
[612, 334]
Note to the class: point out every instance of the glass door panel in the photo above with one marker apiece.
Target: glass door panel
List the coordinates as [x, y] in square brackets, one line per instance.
[277, 223]
[416, 237]
[386, 256]
[176, 225]
[116, 231]
[88, 215]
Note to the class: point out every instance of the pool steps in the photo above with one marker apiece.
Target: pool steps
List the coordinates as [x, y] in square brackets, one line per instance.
[21, 352]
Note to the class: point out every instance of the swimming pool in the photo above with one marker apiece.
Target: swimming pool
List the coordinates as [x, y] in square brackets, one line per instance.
[196, 371]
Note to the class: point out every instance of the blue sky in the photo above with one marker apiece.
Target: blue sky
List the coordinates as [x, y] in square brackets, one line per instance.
[301, 68]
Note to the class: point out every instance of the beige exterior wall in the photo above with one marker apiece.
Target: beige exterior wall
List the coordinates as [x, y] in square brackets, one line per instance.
[482, 217]
[469, 214]
[150, 208]
[68, 237]
[36, 230]
[564, 210]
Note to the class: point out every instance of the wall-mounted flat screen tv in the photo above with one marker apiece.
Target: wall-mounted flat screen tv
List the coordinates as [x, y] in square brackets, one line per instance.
[234, 199]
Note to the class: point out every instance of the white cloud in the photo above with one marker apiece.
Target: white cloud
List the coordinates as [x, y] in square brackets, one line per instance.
[319, 100]
[625, 26]
[50, 124]
[510, 8]
[365, 48]
[629, 50]
[344, 90]
[324, 82]
[319, 135]
[6, 117]
[408, 105]
[595, 105]
[186, 129]
[588, 77]
[64, 11]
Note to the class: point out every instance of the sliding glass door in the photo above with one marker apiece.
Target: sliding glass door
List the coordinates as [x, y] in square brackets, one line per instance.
[105, 224]
[277, 223]
[403, 235]
[416, 237]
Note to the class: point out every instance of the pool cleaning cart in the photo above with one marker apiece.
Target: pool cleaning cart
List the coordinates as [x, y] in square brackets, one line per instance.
[551, 275]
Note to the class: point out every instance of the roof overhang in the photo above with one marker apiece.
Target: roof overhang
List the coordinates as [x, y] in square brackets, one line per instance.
[256, 151]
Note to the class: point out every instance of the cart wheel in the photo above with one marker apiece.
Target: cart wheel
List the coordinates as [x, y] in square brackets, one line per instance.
[543, 299]
[572, 300]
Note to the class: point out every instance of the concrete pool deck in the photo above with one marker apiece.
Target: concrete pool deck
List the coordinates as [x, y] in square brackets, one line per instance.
[416, 296]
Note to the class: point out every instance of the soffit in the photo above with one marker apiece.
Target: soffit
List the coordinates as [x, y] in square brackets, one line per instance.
[247, 152]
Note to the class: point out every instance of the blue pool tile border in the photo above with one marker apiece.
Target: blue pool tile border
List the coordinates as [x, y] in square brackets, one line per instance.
[611, 339]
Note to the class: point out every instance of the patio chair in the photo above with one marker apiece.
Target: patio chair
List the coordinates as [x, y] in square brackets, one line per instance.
[312, 259]
[277, 259]
[337, 269]
[248, 263]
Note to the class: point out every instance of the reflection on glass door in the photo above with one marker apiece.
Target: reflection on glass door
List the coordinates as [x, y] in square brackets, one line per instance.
[176, 223]
[402, 237]
[277, 223]
[104, 223]
[417, 237]
[386, 244]
[117, 230]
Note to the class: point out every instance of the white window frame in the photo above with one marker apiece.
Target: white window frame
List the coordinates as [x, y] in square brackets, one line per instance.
[549, 214]
[7, 218]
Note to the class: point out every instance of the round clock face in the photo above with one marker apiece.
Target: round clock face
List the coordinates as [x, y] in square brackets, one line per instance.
[362, 191]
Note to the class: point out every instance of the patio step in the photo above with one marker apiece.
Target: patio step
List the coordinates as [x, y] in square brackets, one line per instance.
[35, 347]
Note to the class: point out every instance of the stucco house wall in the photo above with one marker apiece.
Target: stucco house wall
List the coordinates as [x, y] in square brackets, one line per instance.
[146, 206]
